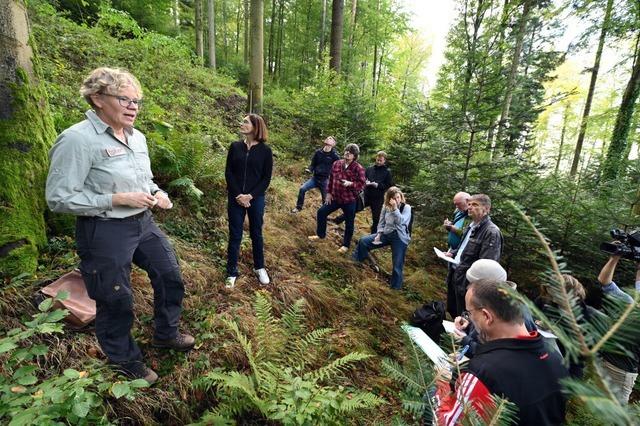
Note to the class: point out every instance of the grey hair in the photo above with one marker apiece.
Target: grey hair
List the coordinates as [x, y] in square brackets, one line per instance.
[109, 81]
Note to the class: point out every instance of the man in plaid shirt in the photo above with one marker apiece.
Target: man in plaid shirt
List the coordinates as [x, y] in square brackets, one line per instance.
[345, 182]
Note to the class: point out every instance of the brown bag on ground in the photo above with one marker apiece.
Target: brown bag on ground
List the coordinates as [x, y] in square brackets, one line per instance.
[82, 309]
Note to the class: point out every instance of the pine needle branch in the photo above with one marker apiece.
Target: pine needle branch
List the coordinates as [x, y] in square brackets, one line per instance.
[617, 325]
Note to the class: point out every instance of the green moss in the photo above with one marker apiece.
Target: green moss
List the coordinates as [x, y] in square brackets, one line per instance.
[27, 136]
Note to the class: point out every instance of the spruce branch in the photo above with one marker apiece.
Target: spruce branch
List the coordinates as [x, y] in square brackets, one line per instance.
[617, 325]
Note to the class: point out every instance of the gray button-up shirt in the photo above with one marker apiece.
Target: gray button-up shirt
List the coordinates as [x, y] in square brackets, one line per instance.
[89, 164]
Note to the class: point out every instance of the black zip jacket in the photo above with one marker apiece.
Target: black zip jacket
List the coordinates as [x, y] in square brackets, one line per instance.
[321, 163]
[527, 374]
[485, 242]
[248, 171]
[382, 176]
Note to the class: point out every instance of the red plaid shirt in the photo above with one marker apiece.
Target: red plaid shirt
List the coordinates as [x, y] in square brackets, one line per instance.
[354, 173]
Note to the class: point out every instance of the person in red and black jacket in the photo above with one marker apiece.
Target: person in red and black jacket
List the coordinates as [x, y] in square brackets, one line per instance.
[511, 363]
[347, 178]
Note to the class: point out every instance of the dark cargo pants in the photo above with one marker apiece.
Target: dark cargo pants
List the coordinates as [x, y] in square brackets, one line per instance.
[107, 247]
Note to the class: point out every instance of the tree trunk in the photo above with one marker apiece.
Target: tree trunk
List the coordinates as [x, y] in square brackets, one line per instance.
[212, 34]
[225, 33]
[592, 87]
[565, 116]
[246, 32]
[199, 32]
[176, 14]
[238, 16]
[617, 147]
[337, 11]
[323, 26]
[27, 133]
[256, 60]
[513, 72]
[271, 53]
[278, 67]
[352, 31]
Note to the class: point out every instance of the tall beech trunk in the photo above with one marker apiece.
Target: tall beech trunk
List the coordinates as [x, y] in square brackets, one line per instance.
[513, 72]
[23, 147]
[271, 52]
[211, 28]
[246, 32]
[565, 116]
[618, 146]
[199, 32]
[337, 12]
[592, 87]
[323, 27]
[256, 60]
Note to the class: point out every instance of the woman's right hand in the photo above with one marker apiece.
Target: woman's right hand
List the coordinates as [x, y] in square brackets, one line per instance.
[133, 199]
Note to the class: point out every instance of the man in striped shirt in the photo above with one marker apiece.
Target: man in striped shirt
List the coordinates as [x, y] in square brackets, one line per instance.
[511, 363]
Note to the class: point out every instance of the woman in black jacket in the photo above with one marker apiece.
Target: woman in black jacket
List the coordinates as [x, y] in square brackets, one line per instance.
[248, 174]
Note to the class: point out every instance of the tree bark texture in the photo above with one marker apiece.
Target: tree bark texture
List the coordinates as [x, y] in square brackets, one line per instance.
[592, 87]
[617, 147]
[256, 60]
[337, 26]
[27, 133]
[513, 71]
[212, 33]
[199, 32]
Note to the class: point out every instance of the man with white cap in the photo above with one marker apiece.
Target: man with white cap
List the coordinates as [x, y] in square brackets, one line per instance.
[485, 270]
[320, 166]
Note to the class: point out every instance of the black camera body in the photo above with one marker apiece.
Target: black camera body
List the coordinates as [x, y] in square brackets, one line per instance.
[626, 245]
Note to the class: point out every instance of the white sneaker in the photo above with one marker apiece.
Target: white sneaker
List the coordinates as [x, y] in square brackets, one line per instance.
[230, 282]
[262, 276]
[295, 210]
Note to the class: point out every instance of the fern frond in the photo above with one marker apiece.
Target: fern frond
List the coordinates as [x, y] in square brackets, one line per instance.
[246, 346]
[401, 375]
[415, 407]
[304, 351]
[293, 318]
[338, 366]
[361, 400]
[269, 337]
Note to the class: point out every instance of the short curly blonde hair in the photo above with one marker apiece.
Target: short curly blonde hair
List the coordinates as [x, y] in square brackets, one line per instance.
[108, 80]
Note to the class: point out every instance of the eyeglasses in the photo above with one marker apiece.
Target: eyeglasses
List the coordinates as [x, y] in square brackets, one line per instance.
[126, 102]
[467, 313]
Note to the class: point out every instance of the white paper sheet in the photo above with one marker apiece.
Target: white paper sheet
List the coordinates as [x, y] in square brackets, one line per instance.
[442, 256]
[428, 346]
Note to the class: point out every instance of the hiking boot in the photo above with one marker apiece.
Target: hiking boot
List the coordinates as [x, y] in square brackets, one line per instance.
[343, 249]
[313, 238]
[295, 210]
[262, 276]
[230, 282]
[137, 370]
[181, 343]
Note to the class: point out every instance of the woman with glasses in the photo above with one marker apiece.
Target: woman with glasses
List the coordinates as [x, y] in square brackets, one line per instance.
[100, 172]
[248, 174]
[346, 180]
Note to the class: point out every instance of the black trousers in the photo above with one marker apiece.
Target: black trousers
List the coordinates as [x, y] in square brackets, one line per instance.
[107, 248]
[376, 209]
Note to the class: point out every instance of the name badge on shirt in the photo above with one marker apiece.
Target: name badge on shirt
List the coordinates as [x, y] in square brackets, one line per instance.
[115, 151]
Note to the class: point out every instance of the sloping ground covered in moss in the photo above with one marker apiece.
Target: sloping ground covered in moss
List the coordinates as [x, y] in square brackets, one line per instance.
[190, 116]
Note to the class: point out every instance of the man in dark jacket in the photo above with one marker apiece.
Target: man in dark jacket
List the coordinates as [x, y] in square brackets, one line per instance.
[511, 363]
[481, 240]
[378, 181]
[320, 166]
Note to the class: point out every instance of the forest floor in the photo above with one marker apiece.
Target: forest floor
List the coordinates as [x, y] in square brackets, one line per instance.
[354, 301]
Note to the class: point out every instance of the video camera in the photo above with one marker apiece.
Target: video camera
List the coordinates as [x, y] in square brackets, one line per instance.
[626, 245]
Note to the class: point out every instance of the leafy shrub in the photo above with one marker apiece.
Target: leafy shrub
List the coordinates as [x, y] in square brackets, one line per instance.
[282, 384]
[76, 397]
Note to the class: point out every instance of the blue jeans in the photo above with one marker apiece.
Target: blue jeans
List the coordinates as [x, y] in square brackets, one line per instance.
[236, 215]
[313, 182]
[398, 250]
[349, 211]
